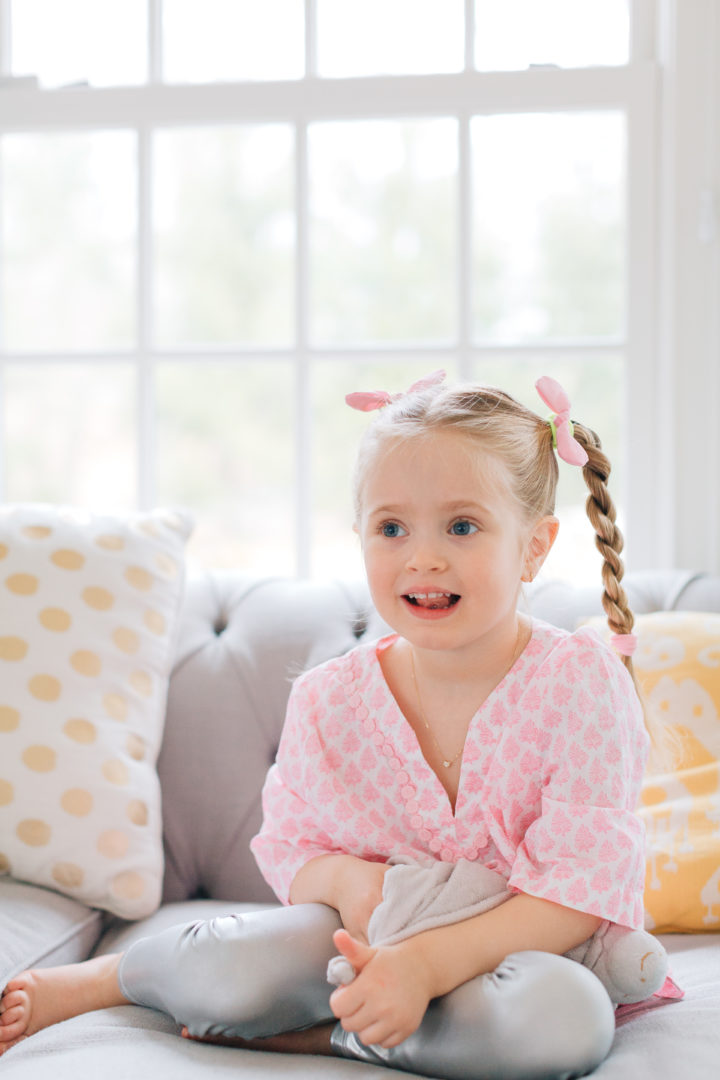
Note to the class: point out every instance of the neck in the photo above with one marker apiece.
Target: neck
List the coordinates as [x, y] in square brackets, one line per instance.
[484, 662]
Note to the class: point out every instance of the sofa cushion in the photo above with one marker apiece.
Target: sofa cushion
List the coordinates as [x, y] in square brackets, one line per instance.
[243, 640]
[678, 666]
[41, 928]
[88, 606]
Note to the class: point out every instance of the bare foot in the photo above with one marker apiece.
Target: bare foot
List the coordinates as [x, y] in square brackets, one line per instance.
[314, 1040]
[35, 999]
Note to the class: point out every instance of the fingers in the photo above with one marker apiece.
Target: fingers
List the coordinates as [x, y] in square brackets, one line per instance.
[353, 950]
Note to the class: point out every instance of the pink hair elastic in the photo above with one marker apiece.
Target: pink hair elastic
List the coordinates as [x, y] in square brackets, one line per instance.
[568, 448]
[368, 400]
[626, 644]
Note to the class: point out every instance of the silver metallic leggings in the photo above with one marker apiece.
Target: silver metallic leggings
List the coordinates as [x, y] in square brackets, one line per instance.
[536, 1017]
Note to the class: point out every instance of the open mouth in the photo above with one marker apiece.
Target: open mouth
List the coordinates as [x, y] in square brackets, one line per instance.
[432, 601]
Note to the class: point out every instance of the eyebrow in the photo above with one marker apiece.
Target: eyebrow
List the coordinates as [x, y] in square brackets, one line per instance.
[449, 507]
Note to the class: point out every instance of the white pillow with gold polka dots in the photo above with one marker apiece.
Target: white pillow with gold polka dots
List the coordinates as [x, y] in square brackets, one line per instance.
[88, 609]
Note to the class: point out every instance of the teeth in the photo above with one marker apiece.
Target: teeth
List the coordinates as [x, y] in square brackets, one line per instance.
[427, 595]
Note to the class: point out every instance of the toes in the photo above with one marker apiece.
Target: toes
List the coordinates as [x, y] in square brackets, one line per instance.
[11, 999]
[10, 1032]
[11, 1016]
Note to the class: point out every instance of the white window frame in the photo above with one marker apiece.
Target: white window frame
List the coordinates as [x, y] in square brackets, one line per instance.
[672, 335]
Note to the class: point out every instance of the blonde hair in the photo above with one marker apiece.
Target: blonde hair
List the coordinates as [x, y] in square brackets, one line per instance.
[523, 442]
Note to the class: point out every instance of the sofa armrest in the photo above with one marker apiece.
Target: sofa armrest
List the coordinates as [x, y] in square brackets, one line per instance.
[41, 928]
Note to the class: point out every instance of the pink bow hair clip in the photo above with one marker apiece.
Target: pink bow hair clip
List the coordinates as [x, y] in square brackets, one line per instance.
[568, 448]
[368, 400]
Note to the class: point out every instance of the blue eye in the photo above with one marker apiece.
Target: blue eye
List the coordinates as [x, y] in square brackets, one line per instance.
[391, 529]
[463, 528]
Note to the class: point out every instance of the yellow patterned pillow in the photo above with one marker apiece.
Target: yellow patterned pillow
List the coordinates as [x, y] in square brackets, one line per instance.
[678, 667]
[88, 608]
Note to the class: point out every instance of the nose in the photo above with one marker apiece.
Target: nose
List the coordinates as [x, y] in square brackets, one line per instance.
[426, 557]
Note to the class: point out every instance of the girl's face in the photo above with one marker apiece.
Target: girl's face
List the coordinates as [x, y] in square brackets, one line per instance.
[444, 546]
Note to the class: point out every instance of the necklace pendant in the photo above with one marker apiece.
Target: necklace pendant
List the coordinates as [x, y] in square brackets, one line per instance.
[447, 764]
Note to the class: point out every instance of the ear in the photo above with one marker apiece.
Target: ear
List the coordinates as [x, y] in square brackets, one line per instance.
[538, 546]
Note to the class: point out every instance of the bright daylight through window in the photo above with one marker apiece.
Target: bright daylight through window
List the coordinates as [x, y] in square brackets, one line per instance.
[219, 217]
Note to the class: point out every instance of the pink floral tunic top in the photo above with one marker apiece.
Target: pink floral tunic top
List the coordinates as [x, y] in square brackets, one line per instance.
[550, 777]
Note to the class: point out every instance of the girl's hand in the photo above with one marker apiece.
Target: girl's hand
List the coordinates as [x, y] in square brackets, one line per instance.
[359, 891]
[387, 1000]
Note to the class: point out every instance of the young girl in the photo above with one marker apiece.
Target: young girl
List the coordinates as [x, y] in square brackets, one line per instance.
[472, 732]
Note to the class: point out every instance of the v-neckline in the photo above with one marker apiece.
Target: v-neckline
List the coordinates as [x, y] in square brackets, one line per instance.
[419, 759]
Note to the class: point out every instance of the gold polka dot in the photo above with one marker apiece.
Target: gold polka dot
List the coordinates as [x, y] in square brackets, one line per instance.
[86, 663]
[3, 550]
[139, 578]
[126, 641]
[33, 832]
[98, 598]
[154, 621]
[67, 559]
[36, 532]
[22, 584]
[80, 731]
[697, 710]
[137, 811]
[113, 843]
[116, 771]
[150, 528]
[13, 648]
[175, 522]
[110, 542]
[115, 706]
[7, 792]
[9, 718]
[68, 875]
[128, 886]
[54, 618]
[142, 682]
[166, 565]
[40, 758]
[45, 687]
[4, 864]
[135, 747]
[77, 801]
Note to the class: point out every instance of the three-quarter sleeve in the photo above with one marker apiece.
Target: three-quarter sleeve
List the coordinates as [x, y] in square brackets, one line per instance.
[291, 833]
[585, 849]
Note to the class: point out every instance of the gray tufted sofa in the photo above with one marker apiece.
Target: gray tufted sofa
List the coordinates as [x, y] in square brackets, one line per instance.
[241, 641]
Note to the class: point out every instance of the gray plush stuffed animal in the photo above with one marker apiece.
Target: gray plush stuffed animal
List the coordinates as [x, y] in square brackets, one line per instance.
[419, 894]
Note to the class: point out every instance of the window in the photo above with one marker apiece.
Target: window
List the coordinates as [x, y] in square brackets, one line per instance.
[220, 217]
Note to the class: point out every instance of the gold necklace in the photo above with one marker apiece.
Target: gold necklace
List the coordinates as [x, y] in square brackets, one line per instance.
[447, 762]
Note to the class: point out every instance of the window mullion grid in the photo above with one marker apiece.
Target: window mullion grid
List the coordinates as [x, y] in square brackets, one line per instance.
[303, 402]
[465, 246]
[311, 51]
[145, 374]
[469, 35]
[5, 38]
[155, 41]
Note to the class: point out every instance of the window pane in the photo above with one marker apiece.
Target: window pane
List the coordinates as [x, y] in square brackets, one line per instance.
[226, 451]
[549, 229]
[383, 230]
[225, 235]
[72, 41]
[69, 222]
[71, 434]
[389, 37]
[336, 430]
[226, 40]
[595, 389]
[516, 34]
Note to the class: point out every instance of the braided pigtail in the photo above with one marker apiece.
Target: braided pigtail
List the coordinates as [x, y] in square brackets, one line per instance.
[608, 538]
